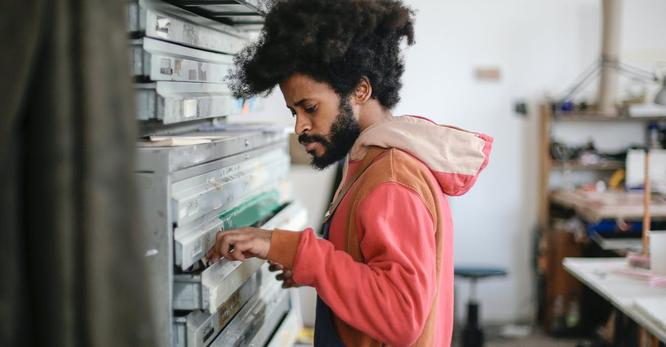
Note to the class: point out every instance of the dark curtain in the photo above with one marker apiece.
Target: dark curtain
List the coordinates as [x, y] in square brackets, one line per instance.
[72, 271]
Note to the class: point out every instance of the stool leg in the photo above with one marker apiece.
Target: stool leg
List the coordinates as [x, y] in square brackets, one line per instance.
[472, 333]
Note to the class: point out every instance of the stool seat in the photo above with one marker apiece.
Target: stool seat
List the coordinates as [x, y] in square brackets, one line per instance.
[478, 272]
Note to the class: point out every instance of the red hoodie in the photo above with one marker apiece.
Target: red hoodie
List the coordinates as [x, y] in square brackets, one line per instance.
[394, 286]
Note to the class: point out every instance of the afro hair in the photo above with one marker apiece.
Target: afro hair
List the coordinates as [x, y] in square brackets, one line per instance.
[332, 41]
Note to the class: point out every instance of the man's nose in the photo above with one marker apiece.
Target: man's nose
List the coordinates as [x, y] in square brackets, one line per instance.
[302, 124]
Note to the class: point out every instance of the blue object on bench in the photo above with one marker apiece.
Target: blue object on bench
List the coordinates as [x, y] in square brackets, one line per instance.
[608, 226]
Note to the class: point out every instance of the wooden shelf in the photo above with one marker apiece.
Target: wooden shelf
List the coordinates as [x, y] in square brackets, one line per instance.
[593, 206]
[599, 117]
[574, 165]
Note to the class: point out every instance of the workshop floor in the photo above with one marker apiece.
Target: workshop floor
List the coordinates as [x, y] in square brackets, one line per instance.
[534, 340]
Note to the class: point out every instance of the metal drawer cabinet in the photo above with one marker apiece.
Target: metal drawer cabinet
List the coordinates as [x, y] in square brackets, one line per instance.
[155, 60]
[165, 172]
[166, 22]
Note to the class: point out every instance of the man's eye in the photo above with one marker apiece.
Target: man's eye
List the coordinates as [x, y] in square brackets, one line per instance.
[310, 109]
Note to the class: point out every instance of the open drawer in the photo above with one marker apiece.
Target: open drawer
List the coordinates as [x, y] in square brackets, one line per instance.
[260, 314]
[199, 328]
[210, 288]
[226, 187]
[192, 242]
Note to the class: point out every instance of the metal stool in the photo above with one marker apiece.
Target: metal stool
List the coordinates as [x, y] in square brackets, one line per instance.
[472, 335]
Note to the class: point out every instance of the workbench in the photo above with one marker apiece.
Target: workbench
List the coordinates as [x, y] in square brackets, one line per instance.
[626, 293]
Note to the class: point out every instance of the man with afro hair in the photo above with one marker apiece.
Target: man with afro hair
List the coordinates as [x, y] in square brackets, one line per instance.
[383, 270]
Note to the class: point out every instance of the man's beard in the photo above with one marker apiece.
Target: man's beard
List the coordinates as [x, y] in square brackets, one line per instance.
[343, 134]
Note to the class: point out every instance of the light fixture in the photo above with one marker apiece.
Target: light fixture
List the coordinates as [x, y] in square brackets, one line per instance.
[608, 67]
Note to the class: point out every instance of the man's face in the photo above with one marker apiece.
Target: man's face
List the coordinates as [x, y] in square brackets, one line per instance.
[325, 123]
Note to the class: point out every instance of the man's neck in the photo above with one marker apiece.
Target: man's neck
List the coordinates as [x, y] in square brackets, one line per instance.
[373, 113]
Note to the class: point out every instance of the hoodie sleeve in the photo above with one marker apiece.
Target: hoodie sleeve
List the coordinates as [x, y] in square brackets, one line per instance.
[390, 296]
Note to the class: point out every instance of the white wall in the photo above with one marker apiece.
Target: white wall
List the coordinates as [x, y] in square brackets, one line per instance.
[540, 46]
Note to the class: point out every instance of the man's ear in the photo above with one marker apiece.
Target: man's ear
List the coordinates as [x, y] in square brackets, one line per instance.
[363, 91]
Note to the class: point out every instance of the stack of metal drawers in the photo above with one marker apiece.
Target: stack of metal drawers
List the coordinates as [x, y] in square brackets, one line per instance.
[208, 177]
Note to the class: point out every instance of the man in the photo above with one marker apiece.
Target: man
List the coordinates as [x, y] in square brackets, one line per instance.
[384, 271]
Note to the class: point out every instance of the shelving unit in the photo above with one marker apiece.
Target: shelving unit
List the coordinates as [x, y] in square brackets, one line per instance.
[558, 289]
[547, 120]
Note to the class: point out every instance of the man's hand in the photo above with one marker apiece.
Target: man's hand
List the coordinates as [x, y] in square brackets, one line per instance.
[285, 276]
[240, 244]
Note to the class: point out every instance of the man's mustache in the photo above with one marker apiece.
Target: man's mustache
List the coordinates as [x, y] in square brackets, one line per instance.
[304, 139]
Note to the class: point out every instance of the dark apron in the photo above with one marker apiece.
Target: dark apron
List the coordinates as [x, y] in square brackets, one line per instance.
[325, 334]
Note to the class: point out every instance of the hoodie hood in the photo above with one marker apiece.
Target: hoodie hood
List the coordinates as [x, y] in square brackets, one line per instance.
[454, 156]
